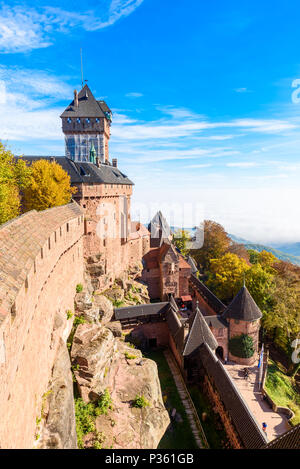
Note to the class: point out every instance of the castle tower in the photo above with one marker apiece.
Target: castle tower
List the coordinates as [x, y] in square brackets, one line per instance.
[243, 316]
[86, 125]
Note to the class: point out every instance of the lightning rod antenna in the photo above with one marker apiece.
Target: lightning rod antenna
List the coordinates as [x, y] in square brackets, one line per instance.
[81, 68]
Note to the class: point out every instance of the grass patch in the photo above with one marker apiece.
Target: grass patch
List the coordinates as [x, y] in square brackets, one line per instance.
[86, 416]
[179, 434]
[282, 390]
[212, 426]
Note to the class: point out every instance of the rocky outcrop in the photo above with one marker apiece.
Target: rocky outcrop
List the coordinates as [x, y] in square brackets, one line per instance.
[126, 292]
[58, 413]
[102, 361]
[94, 307]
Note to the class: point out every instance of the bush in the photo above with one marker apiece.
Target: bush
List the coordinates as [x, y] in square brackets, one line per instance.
[241, 346]
[85, 419]
[140, 402]
[104, 403]
[69, 314]
[78, 320]
[79, 288]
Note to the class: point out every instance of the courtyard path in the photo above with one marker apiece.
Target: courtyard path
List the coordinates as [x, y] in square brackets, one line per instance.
[187, 402]
[277, 424]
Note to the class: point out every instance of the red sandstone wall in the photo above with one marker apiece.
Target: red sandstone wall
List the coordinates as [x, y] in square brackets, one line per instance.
[108, 227]
[215, 400]
[158, 331]
[205, 309]
[31, 335]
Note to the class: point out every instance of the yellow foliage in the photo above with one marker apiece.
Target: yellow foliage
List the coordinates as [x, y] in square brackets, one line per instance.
[227, 275]
[49, 186]
[13, 177]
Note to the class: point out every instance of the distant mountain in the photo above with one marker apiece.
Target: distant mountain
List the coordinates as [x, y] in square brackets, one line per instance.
[284, 256]
[288, 248]
[289, 252]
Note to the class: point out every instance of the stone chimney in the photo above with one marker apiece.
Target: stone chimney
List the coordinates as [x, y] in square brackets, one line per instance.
[115, 162]
[97, 161]
[76, 104]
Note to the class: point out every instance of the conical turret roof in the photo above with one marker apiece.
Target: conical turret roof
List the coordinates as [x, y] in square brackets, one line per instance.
[243, 307]
[200, 333]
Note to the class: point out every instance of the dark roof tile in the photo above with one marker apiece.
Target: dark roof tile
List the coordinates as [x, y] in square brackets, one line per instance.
[246, 425]
[82, 172]
[200, 333]
[88, 106]
[289, 440]
[243, 307]
[211, 299]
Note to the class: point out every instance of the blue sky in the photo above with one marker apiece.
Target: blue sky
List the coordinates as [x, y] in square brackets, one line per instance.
[201, 93]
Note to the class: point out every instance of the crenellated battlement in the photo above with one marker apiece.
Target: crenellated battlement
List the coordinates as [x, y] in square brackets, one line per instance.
[41, 262]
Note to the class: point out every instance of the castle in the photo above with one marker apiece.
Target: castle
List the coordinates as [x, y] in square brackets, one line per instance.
[44, 256]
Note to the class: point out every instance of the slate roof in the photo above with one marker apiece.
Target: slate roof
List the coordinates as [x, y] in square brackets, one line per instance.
[130, 312]
[246, 425]
[173, 321]
[89, 173]
[207, 295]
[192, 264]
[243, 307]
[88, 106]
[217, 322]
[289, 440]
[176, 328]
[159, 229]
[199, 333]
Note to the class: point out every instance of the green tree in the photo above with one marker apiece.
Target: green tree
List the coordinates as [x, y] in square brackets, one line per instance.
[180, 239]
[216, 244]
[261, 284]
[283, 320]
[226, 275]
[14, 175]
[49, 186]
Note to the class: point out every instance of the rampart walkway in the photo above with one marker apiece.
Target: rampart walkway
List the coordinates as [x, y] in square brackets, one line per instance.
[276, 423]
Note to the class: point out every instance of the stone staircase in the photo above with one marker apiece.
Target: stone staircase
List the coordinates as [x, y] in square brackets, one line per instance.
[188, 404]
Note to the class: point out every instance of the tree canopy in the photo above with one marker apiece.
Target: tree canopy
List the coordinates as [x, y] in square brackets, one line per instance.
[14, 176]
[48, 186]
[180, 239]
[216, 244]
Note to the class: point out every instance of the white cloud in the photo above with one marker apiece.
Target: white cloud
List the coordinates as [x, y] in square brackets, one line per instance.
[23, 29]
[242, 164]
[134, 95]
[242, 90]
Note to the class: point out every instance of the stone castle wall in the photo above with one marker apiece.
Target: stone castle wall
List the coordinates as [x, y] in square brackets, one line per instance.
[41, 263]
[108, 229]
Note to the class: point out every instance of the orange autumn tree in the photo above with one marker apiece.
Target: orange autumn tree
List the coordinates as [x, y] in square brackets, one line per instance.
[48, 186]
